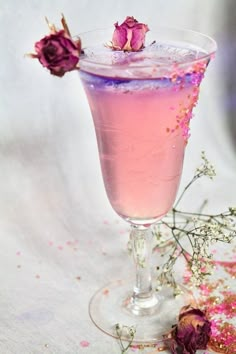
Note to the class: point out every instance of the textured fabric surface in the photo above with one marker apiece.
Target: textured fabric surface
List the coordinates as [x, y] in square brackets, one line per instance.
[60, 239]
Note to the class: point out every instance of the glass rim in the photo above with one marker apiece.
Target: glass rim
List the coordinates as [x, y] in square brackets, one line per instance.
[205, 55]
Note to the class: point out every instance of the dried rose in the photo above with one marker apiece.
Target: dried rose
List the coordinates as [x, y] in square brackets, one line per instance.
[57, 51]
[129, 36]
[190, 334]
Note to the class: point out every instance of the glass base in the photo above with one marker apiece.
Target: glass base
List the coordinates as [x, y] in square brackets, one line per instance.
[112, 305]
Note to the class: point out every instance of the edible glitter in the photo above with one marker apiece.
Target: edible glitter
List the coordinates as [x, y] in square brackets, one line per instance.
[224, 339]
[220, 309]
[229, 267]
[157, 348]
[226, 306]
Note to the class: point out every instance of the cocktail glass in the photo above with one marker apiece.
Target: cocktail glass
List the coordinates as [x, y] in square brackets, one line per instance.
[142, 103]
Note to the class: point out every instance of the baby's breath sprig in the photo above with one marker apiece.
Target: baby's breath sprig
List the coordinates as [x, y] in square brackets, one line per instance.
[193, 235]
[205, 169]
[126, 332]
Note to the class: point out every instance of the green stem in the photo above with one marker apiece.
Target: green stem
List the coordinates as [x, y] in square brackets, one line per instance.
[184, 231]
[203, 215]
[177, 240]
[195, 177]
[203, 206]
[213, 217]
[179, 229]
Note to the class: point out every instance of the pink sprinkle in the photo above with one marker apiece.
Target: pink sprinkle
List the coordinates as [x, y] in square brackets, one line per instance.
[105, 292]
[205, 290]
[172, 108]
[134, 348]
[18, 253]
[84, 343]
[214, 328]
[68, 243]
[50, 243]
[212, 56]
[105, 222]
[187, 276]
[60, 248]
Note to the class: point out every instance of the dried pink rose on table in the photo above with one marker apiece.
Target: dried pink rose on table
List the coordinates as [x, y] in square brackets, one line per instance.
[58, 52]
[129, 36]
[192, 332]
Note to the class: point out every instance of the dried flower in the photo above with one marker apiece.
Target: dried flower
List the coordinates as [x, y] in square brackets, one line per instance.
[129, 36]
[58, 52]
[190, 334]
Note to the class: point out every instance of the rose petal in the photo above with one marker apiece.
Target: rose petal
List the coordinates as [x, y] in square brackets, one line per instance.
[138, 38]
[119, 37]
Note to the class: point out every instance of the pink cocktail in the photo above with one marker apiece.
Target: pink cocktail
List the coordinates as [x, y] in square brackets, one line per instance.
[142, 130]
[141, 105]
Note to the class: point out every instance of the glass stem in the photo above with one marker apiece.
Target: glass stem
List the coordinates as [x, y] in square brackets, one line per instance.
[143, 300]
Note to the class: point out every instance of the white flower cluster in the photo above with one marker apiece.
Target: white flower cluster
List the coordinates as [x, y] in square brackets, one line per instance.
[206, 168]
[201, 261]
[232, 211]
[207, 231]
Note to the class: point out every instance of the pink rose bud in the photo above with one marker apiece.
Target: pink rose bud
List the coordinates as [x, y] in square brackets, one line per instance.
[58, 52]
[129, 36]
